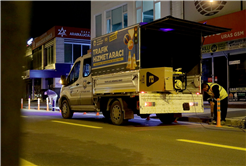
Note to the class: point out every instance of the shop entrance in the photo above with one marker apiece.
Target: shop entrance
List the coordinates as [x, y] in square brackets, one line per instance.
[220, 71]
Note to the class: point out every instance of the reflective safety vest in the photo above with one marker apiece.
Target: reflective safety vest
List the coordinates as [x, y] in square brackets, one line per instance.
[222, 91]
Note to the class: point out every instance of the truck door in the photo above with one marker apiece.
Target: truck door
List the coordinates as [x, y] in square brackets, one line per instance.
[74, 84]
[86, 90]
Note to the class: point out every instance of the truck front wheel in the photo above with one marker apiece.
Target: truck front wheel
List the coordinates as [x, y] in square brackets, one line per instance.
[116, 113]
[66, 111]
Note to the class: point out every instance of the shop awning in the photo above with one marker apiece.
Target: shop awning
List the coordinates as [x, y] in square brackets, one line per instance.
[61, 69]
[175, 25]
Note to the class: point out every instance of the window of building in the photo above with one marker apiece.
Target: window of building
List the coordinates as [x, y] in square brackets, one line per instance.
[108, 18]
[99, 25]
[50, 54]
[73, 51]
[157, 10]
[117, 19]
[37, 58]
[147, 11]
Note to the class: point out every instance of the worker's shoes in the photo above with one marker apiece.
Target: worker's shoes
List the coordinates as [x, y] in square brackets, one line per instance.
[214, 122]
[223, 122]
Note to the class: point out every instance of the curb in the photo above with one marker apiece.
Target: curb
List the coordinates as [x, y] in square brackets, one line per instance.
[229, 121]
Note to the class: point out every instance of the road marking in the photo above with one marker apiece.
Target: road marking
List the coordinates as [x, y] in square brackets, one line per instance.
[212, 144]
[26, 163]
[75, 124]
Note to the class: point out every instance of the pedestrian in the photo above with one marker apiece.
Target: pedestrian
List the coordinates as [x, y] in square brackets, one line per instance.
[214, 91]
[52, 96]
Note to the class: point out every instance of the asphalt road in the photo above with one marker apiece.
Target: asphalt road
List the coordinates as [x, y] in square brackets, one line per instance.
[89, 140]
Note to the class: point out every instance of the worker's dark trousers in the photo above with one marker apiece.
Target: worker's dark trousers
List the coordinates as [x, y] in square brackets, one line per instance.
[223, 109]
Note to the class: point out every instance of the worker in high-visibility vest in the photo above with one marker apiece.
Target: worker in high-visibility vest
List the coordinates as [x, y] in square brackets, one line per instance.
[213, 91]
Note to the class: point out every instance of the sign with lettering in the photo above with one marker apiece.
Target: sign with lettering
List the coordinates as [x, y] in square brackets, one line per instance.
[61, 31]
[115, 52]
[233, 21]
[224, 46]
[70, 32]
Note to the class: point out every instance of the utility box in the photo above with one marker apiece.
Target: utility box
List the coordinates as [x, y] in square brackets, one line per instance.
[158, 79]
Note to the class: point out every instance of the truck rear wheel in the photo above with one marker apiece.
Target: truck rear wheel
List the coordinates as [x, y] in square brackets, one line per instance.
[66, 111]
[116, 113]
[166, 118]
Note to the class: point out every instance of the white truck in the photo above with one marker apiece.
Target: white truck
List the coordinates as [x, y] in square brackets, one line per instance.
[147, 68]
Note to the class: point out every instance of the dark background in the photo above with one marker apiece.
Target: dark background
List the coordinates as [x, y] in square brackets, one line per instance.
[46, 14]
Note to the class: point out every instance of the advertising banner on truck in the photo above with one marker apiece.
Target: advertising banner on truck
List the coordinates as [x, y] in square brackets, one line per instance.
[115, 52]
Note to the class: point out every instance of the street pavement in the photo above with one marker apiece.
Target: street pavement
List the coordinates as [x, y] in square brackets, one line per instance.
[236, 114]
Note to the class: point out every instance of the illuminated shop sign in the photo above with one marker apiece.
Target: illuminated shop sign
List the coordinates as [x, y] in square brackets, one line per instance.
[233, 21]
[63, 32]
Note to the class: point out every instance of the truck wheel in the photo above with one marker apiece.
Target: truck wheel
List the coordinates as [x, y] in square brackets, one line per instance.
[116, 113]
[65, 111]
[166, 118]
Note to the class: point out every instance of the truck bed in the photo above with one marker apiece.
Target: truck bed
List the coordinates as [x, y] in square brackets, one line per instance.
[121, 82]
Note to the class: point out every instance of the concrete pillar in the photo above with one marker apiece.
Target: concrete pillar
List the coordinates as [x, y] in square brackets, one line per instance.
[44, 83]
[212, 68]
[32, 88]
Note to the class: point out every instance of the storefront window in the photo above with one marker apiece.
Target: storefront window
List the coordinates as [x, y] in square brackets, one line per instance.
[237, 68]
[73, 51]
[220, 71]
[237, 78]
[76, 51]
[68, 53]
[207, 70]
[85, 49]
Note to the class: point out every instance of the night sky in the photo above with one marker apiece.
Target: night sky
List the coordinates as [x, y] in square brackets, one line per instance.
[46, 14]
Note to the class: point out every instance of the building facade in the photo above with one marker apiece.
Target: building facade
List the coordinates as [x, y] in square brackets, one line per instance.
[224, 55]
[51, 55]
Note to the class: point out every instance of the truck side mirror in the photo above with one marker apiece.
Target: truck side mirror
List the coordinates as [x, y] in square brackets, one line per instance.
[63, 80]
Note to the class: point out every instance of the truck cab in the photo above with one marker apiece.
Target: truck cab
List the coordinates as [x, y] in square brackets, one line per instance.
[76, 92]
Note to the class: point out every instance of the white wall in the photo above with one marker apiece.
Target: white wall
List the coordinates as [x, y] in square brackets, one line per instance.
[59, 50]
[175, 8]
[192, 14]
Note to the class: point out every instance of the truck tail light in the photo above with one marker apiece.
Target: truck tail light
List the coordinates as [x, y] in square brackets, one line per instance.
[149, 104]
[142, 92]
[197, 93]
[193, 103]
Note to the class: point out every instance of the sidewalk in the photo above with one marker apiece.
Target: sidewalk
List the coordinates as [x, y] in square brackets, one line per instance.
[43, 105]
[235, 113]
